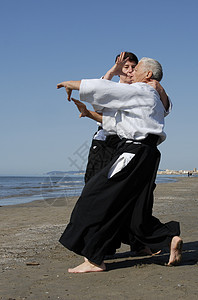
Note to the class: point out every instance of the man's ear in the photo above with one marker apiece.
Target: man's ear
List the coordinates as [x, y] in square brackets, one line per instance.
[149, 74]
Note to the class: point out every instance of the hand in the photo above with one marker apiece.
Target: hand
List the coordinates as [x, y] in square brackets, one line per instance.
[120, 62]
[117, 68]
[156, 85]
[68, 89]
[84, 112]
[81, 107]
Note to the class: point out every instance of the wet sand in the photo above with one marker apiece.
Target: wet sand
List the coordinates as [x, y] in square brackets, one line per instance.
[34, 265]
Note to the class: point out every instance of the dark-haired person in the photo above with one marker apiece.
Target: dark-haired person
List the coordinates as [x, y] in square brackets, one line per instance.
[104, 141]
[120, 194]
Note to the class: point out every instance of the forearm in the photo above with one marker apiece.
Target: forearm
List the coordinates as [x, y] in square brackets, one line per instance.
[110, 74]
[84, 112]
[72, 85]
[94, 116]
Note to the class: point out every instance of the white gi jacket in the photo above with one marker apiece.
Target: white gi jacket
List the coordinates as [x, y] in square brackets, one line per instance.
[139, 110]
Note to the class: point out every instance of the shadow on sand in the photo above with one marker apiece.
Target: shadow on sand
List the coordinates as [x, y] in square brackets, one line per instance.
[189, 257]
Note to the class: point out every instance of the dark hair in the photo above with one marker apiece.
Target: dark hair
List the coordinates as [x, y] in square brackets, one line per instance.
[132, 57]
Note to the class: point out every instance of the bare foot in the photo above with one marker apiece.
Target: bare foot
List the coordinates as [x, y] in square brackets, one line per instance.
[175, 251]
[87, 266]
[156, 253]
[147, 251]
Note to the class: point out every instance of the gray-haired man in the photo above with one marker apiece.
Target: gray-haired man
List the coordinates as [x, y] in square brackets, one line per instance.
[120, 195]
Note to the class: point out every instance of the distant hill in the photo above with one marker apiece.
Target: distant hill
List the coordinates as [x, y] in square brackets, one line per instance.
[62, 173]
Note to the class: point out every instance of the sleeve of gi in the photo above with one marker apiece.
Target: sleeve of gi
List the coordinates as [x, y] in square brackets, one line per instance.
[167, 112]
[105, 93]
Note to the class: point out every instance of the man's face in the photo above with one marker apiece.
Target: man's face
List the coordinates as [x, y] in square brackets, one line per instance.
[128, 70]
[140, 73]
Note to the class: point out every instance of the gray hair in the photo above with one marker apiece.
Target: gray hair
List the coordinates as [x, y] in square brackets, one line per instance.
[154, 66]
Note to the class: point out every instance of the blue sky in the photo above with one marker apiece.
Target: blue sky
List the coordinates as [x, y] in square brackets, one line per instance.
[45, 42]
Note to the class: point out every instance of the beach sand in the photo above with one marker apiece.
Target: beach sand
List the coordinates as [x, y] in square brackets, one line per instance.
[34, 264]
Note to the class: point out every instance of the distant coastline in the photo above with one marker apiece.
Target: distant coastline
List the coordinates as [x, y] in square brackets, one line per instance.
[159, 172]
[62, 173]
[180, 172]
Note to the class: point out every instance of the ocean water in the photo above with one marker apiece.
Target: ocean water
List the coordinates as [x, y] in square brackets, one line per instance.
[23, 189]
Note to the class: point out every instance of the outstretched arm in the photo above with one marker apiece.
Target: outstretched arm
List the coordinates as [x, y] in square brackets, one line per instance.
[69, 86]
[117, 68]
[84, 112]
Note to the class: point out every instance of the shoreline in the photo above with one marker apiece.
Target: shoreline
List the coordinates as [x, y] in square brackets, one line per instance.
[16, 199]
[34, 264]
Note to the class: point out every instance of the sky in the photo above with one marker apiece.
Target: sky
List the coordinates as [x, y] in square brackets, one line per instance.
[44, 42]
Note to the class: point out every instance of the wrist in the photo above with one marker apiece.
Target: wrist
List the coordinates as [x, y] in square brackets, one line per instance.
[109, 75]
[114, 70]
[73, 85]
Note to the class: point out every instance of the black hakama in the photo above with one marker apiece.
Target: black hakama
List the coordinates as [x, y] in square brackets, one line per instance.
[119, 209]
[100, 154]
